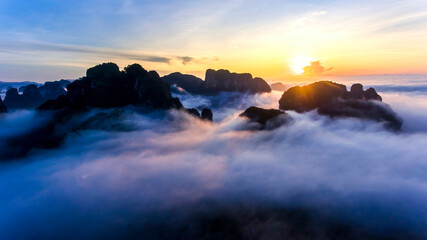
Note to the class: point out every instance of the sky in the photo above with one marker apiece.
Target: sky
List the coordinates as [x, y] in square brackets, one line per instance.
[274, 39]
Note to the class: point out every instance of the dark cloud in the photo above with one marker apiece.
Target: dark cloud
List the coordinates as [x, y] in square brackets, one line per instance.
[185, 59]
[315, 69]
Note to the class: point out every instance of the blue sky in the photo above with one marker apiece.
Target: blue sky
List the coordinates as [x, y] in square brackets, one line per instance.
[48, 40]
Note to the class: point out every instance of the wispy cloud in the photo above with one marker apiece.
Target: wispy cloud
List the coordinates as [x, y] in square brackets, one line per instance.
[25, 47]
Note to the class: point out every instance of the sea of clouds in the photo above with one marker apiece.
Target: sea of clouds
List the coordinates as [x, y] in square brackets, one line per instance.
[176, 176]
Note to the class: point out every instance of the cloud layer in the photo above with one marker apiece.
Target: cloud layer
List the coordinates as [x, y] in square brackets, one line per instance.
[175, 169]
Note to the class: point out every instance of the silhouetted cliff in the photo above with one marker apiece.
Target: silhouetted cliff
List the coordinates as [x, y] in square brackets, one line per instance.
[105, 86]
[3, 108]
[266, 118]
[30, 98]
[52, 90]
[218, 81]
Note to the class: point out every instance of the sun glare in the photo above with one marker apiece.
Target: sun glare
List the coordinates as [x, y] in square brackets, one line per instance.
[298, 64]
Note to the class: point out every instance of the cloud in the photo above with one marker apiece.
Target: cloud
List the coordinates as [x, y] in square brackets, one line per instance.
[24, 47]
[315, 69]
[186, 60]
[176, 171]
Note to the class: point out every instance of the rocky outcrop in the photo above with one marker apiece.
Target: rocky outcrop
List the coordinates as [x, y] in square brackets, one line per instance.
[13, 99]
[218, 81]
[266, 118]
[52, 90]
[64, 83]
[30, 98]
[333, 99]
[312, 96]
[105, 86]
[207, 114]
[224, 81]
[193, 111]
[189, 83]
[32, 95]
[3, 108]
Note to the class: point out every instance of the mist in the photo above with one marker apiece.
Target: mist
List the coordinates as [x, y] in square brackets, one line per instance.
[171, 170]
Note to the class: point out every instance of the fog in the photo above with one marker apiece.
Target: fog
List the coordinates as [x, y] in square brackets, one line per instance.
[173, 168]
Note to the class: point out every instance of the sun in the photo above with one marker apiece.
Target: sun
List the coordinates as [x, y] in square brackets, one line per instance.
[298, 63]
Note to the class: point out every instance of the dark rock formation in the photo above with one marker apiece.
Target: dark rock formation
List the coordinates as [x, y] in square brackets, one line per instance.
[190, 83]
[30, 98]
[267, 118]
[3, 108]
[33, 96]
[13, 99]
[278, 86]
[218, 81]
[356, 91]
[371, 94]
[334, 100]
[224, 81]
[207, 114]
[312, 96]
[52, 90]
[64, 83]
[193, 111]
[105, 86]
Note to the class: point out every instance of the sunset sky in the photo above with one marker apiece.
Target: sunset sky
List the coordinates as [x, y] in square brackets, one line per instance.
[49, 40]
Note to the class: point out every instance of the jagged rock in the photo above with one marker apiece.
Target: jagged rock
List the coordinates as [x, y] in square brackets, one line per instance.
[3, 108]
[356, 91]
[334, 100]
[193, 112]
[52, 90]
[105, 86]
[190, 83]
[30, 98]
[371, 94]
[64, 83]
[13, 99]
[207, 114]
[267, 118]
[224, 81]
[218, 81]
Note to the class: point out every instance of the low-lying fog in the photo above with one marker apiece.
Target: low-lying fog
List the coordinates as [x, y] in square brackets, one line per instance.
[173, 168]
